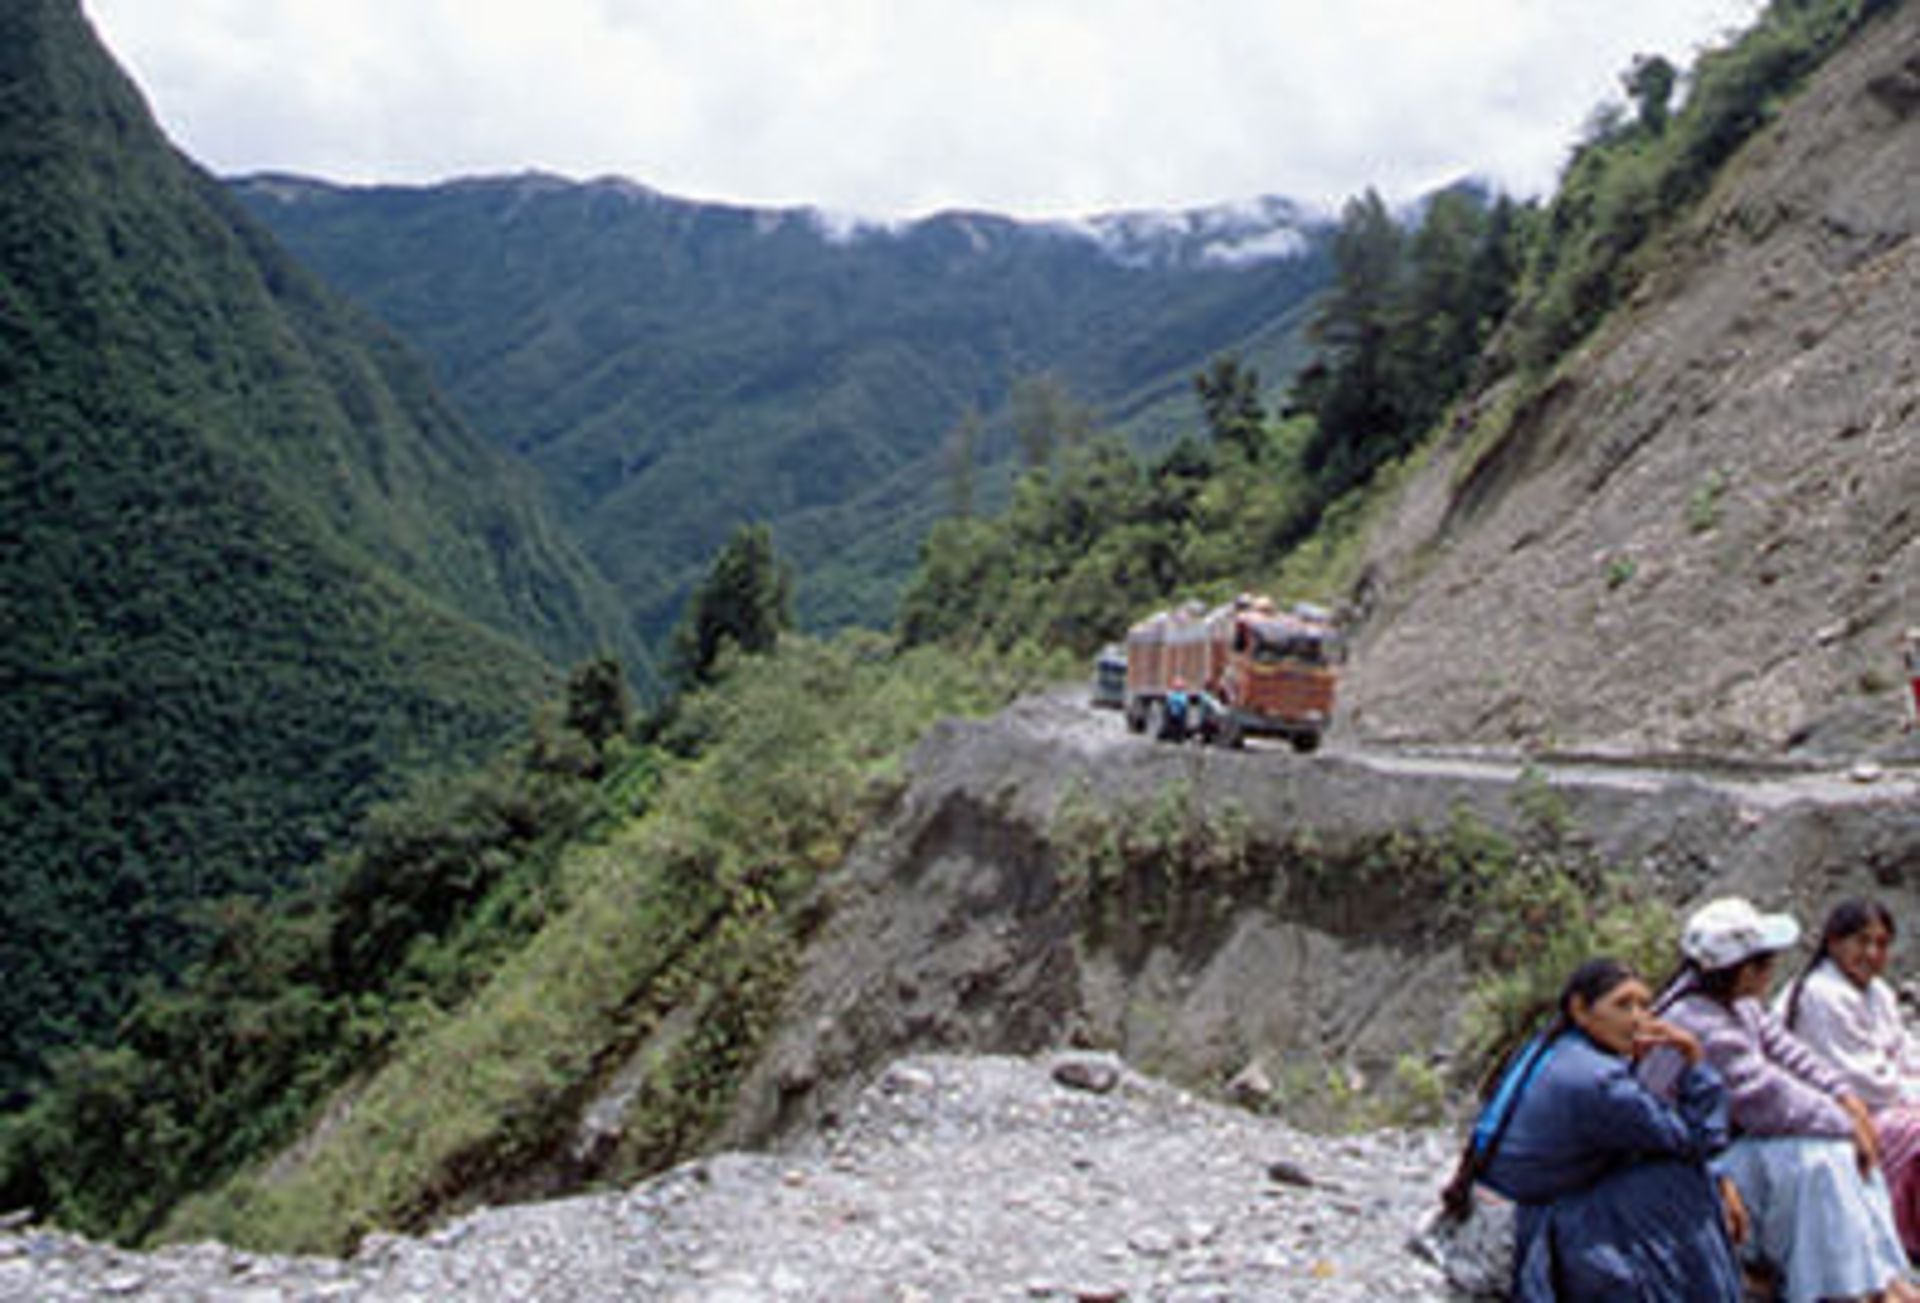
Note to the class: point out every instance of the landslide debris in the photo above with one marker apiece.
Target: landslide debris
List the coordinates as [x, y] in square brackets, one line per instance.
[1701, 531]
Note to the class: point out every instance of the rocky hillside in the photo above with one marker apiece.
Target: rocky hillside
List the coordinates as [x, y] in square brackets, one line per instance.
[1701, 531]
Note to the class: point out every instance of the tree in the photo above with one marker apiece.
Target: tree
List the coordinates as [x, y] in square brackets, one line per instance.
[599, 705]
[1649, 83]
[1047, 417]
[958, 450]
[1230, 400]
[1436, 329]
[1495, 274]
[1352, 402]
[746, 600]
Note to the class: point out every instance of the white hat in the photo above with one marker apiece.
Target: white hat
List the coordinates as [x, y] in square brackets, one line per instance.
[1723, 932]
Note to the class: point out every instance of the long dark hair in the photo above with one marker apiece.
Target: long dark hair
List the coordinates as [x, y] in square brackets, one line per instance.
[1591, 982]
[1843, 921]
[1690, 978]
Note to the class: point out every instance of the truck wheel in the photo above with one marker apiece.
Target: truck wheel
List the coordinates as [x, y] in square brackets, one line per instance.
[1136, 717]
[1232, 736]
[1157, 721]
[1306, 743]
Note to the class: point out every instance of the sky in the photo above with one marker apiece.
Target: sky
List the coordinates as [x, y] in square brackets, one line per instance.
[896, 108]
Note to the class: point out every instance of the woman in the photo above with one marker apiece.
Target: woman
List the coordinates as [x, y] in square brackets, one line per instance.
[1615, 1200]
[1842, 1007]
[1804, 1152]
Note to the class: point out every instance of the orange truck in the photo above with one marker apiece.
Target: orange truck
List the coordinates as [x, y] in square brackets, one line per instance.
[1265, 672]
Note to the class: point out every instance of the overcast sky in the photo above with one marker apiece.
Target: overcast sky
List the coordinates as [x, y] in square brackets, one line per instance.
[893, 108]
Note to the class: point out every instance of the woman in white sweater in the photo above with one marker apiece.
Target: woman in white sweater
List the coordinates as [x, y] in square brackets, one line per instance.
[1842, 1007]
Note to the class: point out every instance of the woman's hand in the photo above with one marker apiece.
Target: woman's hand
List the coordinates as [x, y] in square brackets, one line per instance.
[1656, 1032]
[1866, 1140]
[1734, 1209]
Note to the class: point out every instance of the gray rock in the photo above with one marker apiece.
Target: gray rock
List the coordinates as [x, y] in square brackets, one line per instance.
[950, 1178]
[1093, 1075]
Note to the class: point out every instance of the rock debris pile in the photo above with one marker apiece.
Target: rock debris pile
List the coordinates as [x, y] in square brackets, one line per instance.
[950, 1179]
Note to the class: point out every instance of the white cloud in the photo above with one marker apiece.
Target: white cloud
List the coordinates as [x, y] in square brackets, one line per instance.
[897, 107]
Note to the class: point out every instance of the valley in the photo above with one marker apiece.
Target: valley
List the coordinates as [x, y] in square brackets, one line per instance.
[670, 368]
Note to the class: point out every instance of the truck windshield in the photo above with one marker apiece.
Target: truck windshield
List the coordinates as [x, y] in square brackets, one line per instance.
[1273, 644]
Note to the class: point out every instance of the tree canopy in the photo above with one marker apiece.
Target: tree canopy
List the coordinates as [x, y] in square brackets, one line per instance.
[745, 602]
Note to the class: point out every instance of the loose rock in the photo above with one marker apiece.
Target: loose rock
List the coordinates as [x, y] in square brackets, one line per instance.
[950, 1178]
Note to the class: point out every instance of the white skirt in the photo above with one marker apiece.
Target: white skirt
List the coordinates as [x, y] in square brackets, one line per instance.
[1828, 1232]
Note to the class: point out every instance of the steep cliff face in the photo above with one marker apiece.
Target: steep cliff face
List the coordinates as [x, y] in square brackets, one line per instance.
[1703, 531]
[1262, 908]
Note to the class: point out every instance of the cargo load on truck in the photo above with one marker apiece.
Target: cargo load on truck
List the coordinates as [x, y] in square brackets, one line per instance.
[1243, 669]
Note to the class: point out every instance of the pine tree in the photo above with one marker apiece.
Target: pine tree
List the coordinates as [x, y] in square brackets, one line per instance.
[1351, 396]
[1229, 396]
[745, 601]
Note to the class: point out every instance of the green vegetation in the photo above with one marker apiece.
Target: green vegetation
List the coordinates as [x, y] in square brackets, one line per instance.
[1402, 327]
[491, 948]
[671, 369]
[255, 571]
[262, 574]
[286, 1003]
[1703, 505]
[1526, 905]
[1632, 173]
[1142, 872]
[1536, 906]
[744, 603]
[1097, 534]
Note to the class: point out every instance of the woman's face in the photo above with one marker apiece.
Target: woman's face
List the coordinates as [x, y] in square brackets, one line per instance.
[1863, 955]
[1755, 978]
[1612, 1020]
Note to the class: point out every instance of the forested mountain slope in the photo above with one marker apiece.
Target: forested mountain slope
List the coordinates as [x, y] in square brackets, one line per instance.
[253, 568]
[1701, 530]
[675, 368]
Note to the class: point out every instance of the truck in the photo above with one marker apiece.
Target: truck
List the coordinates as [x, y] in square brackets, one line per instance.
[1270, 672]
[1110, 677]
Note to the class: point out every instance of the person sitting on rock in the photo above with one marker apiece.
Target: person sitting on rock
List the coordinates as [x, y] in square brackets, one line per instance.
[1615, 1199]
[1842, 1007]
[1804, 1153]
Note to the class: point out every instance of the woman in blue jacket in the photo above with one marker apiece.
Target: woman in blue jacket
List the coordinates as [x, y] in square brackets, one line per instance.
[1609, 1171]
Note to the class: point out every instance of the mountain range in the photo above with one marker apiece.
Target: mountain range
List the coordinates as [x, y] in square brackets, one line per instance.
[672, 368]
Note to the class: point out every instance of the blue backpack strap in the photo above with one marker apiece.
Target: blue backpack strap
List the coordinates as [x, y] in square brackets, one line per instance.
[1506, 1096]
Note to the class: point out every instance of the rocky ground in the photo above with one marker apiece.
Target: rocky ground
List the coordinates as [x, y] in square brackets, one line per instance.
[952, 1178]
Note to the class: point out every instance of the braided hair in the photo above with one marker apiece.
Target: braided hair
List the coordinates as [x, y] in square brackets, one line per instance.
[1502, 1088]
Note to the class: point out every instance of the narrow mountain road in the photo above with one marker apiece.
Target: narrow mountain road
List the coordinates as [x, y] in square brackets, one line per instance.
[1067, 715]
